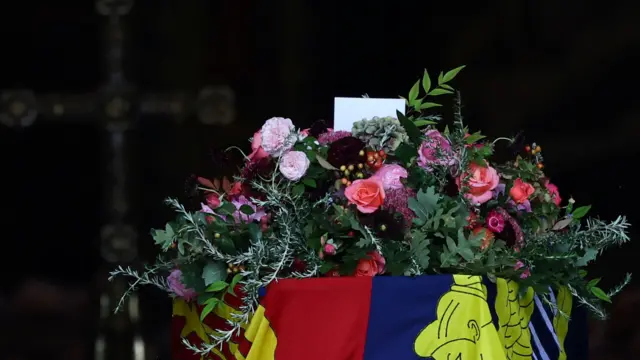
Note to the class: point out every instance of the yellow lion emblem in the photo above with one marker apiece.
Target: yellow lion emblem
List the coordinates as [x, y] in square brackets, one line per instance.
[463, 329]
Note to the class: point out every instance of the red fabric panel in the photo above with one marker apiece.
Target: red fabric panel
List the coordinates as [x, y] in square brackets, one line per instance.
[331, 314]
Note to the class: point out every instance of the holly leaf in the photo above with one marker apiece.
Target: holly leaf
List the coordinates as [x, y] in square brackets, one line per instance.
[214, 271]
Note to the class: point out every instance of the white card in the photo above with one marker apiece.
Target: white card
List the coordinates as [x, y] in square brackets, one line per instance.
[349, 110]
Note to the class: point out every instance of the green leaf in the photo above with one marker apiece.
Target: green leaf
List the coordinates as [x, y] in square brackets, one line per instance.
[582, 273]
[298, 189]
[227, 208]
[424, 205]
[406, 152]
[181, 247]
[324, 163]
[474, 138]
[326, 267]
[415, 90]
[429, 105]
[246, 209]
[426, 81]
[165, 237]
[309, 182]
[452, 245]
[589, 255]
[420, 248]
[424, 122]
[600, 294]
[593, 283]
[580, 212]
[209, 307]
[236, 279]
[440, 78]
[254, 232]
[217, 286]
[214, 271]
[445, 86]
[412, 130]
[466, 253]
[452, 73]
[439, 91]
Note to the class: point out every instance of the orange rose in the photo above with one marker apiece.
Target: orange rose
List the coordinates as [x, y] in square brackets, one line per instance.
[371, 266]
[367, 194]
[520, 191]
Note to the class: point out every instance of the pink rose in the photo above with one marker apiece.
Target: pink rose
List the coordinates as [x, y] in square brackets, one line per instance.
[435, 150]
[390, 176]
[329, 249]
[520, 191]
[277, 136]
[554, 192]
[174, 280]
[480, 182]
[293, 165]
[367, 194]
[257, 152]
[371, 266]
[213, 200]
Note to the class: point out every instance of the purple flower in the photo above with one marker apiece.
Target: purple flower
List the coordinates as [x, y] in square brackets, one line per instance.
[239, 216]
[524, 206]
[174, 280]
[499, 190]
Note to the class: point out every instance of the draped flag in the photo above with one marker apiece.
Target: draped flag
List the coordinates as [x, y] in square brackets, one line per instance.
[442, 317]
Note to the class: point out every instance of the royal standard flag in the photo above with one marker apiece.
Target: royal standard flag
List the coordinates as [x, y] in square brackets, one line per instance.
[442, 317]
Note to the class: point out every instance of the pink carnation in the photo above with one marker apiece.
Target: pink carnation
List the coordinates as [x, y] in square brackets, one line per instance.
[277, 136]
[174, 280]
[390, 176]
[293, 165]
[435, 150]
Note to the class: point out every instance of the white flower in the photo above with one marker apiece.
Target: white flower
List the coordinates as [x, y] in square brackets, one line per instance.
[293, 165]
[278, 136]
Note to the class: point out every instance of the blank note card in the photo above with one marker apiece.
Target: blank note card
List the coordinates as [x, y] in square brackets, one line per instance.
[349, 110]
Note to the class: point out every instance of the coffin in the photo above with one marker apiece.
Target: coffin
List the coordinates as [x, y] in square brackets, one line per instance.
[440, 317]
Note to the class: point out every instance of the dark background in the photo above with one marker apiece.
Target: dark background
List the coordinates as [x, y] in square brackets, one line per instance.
[563, 72]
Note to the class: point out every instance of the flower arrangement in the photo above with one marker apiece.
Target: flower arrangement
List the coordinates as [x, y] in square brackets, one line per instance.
[406, 196]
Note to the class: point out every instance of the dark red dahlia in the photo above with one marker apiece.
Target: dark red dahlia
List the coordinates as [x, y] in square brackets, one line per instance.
[345, 151]
[318, 128]
[263, 167]
[385, 224]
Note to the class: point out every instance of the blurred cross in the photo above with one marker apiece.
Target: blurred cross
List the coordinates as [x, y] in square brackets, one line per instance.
[116, 105]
